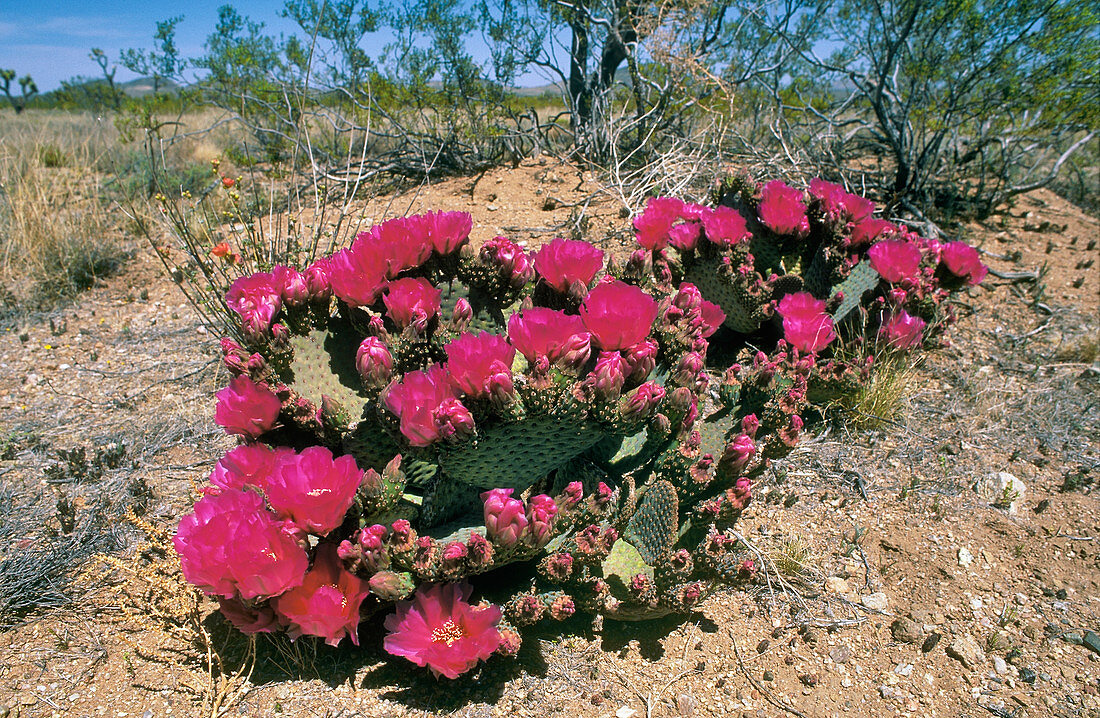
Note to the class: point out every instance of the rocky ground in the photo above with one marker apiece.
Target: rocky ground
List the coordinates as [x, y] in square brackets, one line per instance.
[893, 586]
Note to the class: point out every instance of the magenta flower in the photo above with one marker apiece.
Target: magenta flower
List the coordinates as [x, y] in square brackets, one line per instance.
[618, 315]
[782, 211]
[248, 619]
[541, 511]
[871, 229]
[403, 243]
[654, 225]
[685, 236]
[358, 274]
[902, 331]
[314, 491]
[895, 259]
[246, 408]
[962, 260]
[505, 519]
[448, 231]
[481, 364]
[713, 317]
[327, 603]
[256, 299]
[541, 332]
[417, 401]
[806, 326]
[411, 302]
[439, 629]
[231, 545]
[839, 205]
[248, 465]
[725, 226]
[563, 262]
[374, 362]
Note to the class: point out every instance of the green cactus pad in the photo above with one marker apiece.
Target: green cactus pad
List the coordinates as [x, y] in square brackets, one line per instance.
[517, 454]
[860, 280]
[766, 252]
[714, 431]
[624, 563]
[371, 446]
[447, 500]
[704, 275]
[486, 318]
[324, 365]
[652, 529]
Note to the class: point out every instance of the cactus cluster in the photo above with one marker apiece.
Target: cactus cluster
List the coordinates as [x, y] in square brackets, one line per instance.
[415, 412]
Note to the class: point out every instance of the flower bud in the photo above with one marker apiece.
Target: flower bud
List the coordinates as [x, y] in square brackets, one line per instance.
[454, 421]
[640, 359]
[316, 278]
[737, 456]
[541, 511]
[392, 585]
[576, 351]
[642, 402]
[688, 370]
[462, 315]
[505, 519]
[562, 607]
[572, 495]
[479, 550]
[293, 286]
[608, 376]
[374, 362]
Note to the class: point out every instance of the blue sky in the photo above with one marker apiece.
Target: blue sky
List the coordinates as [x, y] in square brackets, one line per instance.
[51, 39]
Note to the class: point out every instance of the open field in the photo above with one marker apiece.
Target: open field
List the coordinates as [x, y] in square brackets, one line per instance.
[898, 590]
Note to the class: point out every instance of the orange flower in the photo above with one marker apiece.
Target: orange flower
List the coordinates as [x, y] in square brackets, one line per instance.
[228, 182]
[220, 250]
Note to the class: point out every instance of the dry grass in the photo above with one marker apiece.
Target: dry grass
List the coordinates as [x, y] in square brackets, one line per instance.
[880, 400]
[58, 231]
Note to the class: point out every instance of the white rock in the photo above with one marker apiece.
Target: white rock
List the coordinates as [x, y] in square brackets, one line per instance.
[999, 665]
[625, 712]
[903, 669]
[965, 557]
[875, 601]
[836, 584]
[1001, 490]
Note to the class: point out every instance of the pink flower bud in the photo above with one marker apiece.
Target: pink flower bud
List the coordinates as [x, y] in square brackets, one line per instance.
[462, 315]
[749, 426]
[374, 362]
[505, 519]
[572, 495]
[292, 284]
[317, 281]
[453, 420]
[576, 351]
[541, 511]
[737, 455]
[609, 375]
[640, 359]
[392, 586]
[641, 402]
[603, 494]
[688, 370]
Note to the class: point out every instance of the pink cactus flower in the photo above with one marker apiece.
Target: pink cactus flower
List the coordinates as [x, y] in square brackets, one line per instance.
[448, 231]
[248, 619]
[871, 229]
[685, 236]
[541, 510]
[725, 226]
[902, 331]
[357, 275]
[806, 326]
[291, 284]
[411, 302]
[618, 315]
[782, 211]
[256, 299]
[654, 225]
[327, 603]
[895, 259]
[839, 205]
[713, 317]
[374, 362]
[540, 332]
[962, 260]
[439, 629]
[315, 491]
[247, 465]
[479, 362]
[230, 545]
[416, 401]
[563, 262]
[402, 242]
[246, 408]
[505, 519]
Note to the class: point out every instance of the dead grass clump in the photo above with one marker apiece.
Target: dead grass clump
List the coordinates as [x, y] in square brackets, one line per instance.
[793, 557]
[879, 401]
[1082, 350]
[58, 230]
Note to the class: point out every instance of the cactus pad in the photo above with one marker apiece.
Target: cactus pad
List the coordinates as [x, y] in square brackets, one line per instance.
[704, 275]
[324, 365]
[860, 280]
[652, 530]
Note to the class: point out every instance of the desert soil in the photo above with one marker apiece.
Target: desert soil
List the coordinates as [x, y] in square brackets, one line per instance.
[916, 596]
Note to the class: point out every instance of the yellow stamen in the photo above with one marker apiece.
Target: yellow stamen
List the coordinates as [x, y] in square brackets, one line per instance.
[448, 633]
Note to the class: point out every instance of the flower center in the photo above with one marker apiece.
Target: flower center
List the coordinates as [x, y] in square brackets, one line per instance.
[448, 633]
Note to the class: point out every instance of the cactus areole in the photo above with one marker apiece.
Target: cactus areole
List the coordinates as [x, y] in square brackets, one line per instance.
[415, 413]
